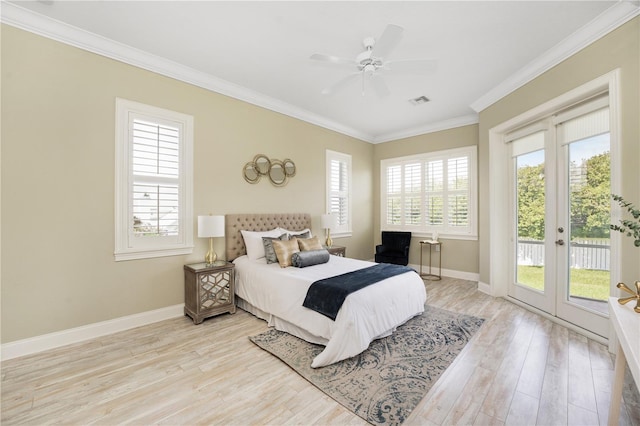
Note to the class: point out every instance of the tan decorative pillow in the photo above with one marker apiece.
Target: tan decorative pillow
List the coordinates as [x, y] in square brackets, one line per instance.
[284, 251]
[307, 244]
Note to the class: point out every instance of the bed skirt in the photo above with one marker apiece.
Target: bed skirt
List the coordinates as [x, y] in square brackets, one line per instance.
[280, 324]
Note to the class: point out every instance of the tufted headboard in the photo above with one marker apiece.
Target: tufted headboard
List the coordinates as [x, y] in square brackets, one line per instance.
[234, 223]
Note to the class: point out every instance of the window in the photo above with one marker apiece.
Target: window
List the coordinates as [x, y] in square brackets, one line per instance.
[432, 192]
[339, 191]
[153, 181]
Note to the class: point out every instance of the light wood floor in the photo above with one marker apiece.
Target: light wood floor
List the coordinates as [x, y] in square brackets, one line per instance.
[519, 369]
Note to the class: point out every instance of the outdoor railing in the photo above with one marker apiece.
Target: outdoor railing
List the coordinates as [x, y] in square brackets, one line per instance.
[584, 254]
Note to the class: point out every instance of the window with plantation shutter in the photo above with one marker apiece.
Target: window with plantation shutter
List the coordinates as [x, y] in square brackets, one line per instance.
[156, 179]
[432, 192]
[339, 191]
[153, 182]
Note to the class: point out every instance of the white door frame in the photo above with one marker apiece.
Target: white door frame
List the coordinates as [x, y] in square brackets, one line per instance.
[499, 235]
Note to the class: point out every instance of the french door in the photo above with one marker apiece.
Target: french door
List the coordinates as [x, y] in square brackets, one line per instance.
[560, 199]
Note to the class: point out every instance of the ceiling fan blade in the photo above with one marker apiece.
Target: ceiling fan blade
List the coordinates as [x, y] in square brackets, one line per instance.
[332, 59]
[387, 41]
[379, 86]
[413, 66]
[340, 83]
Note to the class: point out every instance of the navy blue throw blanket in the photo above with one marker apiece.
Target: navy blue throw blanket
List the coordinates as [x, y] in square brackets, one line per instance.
[327, 295]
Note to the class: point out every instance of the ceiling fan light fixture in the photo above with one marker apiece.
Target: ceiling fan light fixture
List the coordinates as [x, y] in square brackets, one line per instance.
[420, 100]
[372, 63]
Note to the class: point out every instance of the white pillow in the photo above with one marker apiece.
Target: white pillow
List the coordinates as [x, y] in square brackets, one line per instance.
[253, 242]
[294, 233]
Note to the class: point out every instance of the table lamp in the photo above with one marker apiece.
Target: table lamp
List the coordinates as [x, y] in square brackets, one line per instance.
[210, 227]
[328, 221]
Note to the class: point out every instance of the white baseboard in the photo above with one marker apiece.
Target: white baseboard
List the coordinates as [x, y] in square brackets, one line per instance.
[461, 275]
[485, 288]
[36, 344]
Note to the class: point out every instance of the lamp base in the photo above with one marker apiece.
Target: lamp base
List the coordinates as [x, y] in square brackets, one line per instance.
[211, 256]
[329, 241]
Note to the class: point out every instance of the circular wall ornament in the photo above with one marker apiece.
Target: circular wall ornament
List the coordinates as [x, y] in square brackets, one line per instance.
[262, 164]
[250, 172]
[277, 174]
[277, 171]
[289, 167]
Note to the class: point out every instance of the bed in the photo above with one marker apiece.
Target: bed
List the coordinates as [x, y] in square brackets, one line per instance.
[276, 294]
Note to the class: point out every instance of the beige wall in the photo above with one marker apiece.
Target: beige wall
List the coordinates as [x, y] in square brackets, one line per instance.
[58, 138]
[58, 107]
[619, 49]
[457, 255]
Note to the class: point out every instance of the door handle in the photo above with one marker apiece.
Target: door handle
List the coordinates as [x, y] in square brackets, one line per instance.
[560, 242]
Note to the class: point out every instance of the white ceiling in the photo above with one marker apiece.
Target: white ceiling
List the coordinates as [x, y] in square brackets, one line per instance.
[259, 51]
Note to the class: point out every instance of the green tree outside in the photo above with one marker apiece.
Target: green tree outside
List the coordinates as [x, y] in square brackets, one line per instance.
[590, 200]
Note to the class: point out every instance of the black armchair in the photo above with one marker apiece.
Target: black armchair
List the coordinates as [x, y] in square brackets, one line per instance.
[394, 248]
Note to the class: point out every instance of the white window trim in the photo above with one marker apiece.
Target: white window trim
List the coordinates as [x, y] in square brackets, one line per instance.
[424, 230]
[347, 230]
[124, 247]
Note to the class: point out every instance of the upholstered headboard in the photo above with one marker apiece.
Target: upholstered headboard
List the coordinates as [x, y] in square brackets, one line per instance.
[234, 223]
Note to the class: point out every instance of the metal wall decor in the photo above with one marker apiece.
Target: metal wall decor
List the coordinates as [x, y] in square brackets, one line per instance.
[277, 171]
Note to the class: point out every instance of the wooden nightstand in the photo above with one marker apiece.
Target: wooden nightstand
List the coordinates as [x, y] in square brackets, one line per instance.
[337, 250]
[209, 290]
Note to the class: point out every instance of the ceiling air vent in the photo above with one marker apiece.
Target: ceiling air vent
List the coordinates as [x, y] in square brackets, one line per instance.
[419, 100]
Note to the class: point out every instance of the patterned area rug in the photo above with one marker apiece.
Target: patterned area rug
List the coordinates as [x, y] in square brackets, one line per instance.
[386, 382]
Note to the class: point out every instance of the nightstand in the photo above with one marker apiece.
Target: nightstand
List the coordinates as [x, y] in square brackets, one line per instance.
[337, 250]
[209, 290]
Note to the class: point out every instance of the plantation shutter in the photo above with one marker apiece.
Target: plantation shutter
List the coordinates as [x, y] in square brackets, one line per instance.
[458, 191]
[339, 191]
[394, 195]
[156, 179]
[413, 194]
[430, 192]
[435, 192]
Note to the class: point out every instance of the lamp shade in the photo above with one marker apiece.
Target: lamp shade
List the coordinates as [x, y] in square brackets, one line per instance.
[328, 221]
[210, 226]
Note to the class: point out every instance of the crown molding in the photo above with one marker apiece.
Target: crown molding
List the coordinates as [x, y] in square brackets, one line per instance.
[451, 123]
[25, 19]
[44, 26]
[603, 24]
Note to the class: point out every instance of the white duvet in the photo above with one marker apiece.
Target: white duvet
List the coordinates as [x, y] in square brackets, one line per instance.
[368, 314]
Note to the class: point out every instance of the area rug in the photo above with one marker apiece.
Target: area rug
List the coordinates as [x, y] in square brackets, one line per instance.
[386, 382]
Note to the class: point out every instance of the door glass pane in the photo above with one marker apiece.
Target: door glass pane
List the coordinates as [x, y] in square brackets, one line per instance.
[530, 204]
[590, 216]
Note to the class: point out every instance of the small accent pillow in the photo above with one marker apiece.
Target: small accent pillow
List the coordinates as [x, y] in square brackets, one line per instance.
[284, 251]
[269, 251]
[307, 244]
[253, 242]
[305, 233]
[303, 259]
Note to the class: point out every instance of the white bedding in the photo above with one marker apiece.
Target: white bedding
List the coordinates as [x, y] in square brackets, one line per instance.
[367, 314]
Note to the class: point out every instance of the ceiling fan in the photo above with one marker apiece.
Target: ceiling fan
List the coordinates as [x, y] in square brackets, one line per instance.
[371, 64]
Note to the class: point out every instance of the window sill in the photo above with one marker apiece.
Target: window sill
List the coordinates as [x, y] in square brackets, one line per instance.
[148, 254]
[441, 236]
[341, 235]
